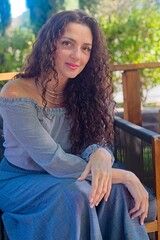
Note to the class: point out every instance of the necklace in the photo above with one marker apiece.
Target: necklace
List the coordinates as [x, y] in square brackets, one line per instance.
[54, 94]
[57, 93]
[56, 97]
[54, 101]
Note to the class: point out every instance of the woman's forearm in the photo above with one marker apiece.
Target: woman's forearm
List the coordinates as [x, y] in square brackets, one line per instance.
[136, 189]
[122, 176]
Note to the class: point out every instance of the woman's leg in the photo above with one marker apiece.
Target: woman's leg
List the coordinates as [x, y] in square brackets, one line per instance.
[115, 221]
[35, 208]
[39, 206]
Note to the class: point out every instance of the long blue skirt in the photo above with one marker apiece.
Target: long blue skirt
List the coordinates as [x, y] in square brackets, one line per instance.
[38, 206]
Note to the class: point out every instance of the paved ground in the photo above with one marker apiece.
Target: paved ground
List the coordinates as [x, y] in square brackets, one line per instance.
[150, 115]
[153, 95]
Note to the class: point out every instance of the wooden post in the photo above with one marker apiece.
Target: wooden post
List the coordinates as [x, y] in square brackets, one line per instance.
[131, 96]
[156, 165]
[7, 76]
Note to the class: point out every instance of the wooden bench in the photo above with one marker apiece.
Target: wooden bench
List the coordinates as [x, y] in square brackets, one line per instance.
[139, 150]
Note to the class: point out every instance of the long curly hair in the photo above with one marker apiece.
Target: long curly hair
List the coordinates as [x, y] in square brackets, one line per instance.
[88, 97]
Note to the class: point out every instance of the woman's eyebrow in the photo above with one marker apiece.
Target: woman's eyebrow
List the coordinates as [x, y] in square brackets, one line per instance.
[68, 38]
[73, 40]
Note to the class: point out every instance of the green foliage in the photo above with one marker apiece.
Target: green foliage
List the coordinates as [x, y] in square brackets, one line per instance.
[14, 48]
[40, 10]
[91, 6]
[132, 29]
[72, 4]
[5, 16]
[133, 36]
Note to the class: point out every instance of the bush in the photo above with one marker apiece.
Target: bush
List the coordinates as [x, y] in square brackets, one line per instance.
[14, 47]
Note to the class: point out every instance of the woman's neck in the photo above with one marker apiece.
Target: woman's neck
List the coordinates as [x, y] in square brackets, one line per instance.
[50, 92]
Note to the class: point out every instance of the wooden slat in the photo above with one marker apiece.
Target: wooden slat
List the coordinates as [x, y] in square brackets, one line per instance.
[119, 67]
[131, 96]
[156, 157]
[7, 76]
[129, 158]
[123, 67]
[151, 227]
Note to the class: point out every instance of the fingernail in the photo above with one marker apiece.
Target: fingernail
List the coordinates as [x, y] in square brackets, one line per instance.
[91, 205]
[79, 179]
[142, 223]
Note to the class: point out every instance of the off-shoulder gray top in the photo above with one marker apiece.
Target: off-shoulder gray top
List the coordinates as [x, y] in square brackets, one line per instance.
[34, 141]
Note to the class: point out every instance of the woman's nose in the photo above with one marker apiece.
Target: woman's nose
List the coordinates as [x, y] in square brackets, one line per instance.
[76, 53]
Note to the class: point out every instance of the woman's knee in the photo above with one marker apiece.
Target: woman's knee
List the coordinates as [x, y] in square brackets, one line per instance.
[121, 196]
[78, 192]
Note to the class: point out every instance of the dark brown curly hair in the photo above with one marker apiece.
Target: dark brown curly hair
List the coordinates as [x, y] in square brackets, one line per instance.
[88, 97]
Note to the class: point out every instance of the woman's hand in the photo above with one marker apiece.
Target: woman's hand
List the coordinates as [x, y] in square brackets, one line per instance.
[140, 196]
[99, 166]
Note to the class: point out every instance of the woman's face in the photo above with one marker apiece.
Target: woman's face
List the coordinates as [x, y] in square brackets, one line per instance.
[73, 51]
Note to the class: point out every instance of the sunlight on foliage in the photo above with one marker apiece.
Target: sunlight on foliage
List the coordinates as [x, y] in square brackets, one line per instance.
[16, 46]
[131, 27]
[133, 36]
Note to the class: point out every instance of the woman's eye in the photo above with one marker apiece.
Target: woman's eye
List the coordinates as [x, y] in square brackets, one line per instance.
[66, 43]
[87, 49]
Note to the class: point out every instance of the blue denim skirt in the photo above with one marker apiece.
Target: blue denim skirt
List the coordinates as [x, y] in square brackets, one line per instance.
[38, 206]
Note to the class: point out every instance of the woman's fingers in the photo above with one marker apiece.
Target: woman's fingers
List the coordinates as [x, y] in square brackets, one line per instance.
[101, 184]
[105, 191]
[100, 190]
[141, 211]
[101, 187]
[95, 180]
[99, 166]
[85, 173]
[140, 196]
[135, 209]
[144, 215]
[108, 188]
[141, 202]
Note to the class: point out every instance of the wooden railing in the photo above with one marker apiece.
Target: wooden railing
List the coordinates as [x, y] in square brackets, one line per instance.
[131, 88]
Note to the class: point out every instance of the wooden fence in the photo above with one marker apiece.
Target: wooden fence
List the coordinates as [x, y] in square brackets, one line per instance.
[131, 88]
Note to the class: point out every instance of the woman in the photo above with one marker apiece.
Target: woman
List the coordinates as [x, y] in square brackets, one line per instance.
[56, 177]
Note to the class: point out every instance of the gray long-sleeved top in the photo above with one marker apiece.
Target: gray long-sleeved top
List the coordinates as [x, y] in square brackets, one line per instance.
[36, 142]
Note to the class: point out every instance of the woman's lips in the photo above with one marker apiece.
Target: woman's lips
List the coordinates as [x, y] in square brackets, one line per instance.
[72, 66]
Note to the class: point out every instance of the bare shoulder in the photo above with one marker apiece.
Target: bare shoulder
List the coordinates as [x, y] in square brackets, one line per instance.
[10, 89]
[15, 88]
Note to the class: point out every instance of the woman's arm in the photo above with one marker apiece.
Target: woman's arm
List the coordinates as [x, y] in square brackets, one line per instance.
[100, 168]
[22, 121]
[136, 189]
[92, 148]
[103, 176]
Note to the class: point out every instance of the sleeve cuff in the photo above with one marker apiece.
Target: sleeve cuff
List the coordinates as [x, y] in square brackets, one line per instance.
[92, 148]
